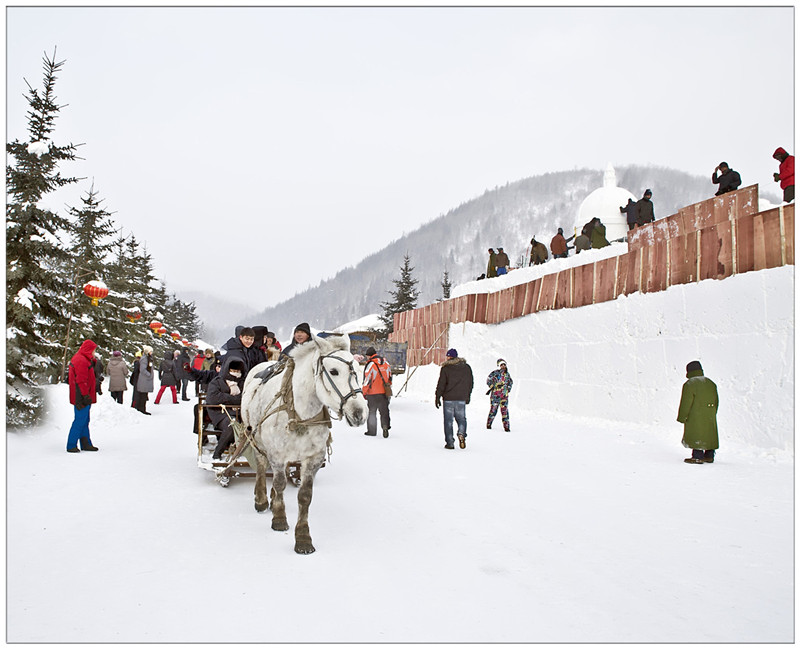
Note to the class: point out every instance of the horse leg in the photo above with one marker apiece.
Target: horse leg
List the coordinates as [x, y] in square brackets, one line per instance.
[302, 535]
[260, 491]
[279, 521]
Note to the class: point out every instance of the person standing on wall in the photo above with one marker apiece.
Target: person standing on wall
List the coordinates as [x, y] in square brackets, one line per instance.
[82, 394]
[491, 269]
[644, 209]
[377, 388]
[785, 173]
[698, 414]
[502, 262]
[455, 389]
[500, 383]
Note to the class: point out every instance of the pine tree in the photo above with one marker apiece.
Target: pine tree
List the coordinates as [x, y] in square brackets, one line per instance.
[36, 288]
[92, 232]
[404, 298]
[446, 285]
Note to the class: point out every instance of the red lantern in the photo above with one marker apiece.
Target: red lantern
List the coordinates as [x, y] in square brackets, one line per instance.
[161, 331]
[175, 335]
[155, 325]
[133, 316]
[185, 342]
[95, 290]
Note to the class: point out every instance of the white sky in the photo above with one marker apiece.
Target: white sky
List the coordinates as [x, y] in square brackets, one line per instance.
[259, 150]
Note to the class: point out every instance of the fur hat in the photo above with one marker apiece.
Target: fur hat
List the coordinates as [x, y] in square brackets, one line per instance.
[452, 353]
[370, 352]
[501, 361]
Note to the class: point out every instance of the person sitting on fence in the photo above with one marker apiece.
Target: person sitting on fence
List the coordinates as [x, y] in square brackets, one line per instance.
[225, 389]
[728, 180]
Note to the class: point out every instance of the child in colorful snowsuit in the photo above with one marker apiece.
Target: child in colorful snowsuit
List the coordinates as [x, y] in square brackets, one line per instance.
[499, 383]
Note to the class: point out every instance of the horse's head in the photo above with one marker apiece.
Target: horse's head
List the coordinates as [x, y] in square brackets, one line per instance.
[337, 377]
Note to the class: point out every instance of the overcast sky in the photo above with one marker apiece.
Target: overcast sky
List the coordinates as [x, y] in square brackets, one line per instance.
[260, 150]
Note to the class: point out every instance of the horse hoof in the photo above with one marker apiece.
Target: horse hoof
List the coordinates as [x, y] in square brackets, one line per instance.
[280, 525]
[260, 507]
[304, 548]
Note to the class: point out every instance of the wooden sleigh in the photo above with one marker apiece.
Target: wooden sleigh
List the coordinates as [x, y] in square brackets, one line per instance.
[238, 460]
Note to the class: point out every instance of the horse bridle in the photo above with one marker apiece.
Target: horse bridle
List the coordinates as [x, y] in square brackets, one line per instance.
[352, 380]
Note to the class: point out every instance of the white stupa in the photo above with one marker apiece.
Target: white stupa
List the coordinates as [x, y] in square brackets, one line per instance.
[604, 203]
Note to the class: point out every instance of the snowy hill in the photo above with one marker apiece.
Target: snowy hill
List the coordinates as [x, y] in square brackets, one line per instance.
[505, 216]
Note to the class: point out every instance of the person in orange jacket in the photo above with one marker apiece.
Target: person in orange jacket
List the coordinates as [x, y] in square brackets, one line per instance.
[377, 376]
[82, 394]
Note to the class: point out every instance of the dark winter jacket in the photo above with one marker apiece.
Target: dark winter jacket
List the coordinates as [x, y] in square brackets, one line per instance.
[727, 181]
[631, 210]
[491, 269]
[599, 236]
[117, 372]
[455, 381]
[166, 371]
[250, 356]
[180, 375]
[219, 390]
[582, 242]
[501, 260]
[698, 412]
[81, 377]
[645, 212]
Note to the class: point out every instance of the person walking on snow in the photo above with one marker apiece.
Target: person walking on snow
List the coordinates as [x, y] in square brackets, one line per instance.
[117, 376]
[785, 173]
[455, 388]
[499, 382]
[82, 394]
[166, 374]
[144, 381]
[377, 376]
[698, 414]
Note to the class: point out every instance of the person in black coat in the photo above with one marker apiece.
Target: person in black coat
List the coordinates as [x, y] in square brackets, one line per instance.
[455, 389]
[728, 179]
[225, 389]
[135, 379]
[644, 209]
[181, 376]
[241, 346]
[632, 213]
[166, 374]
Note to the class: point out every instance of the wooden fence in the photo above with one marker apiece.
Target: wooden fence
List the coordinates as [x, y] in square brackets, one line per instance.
[713, 239]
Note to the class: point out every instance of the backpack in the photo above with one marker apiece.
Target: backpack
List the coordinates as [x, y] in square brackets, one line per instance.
[385, 370]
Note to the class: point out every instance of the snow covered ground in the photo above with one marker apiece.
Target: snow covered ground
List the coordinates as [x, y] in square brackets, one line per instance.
[578, 526]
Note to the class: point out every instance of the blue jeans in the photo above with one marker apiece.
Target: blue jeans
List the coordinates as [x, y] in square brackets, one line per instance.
[80, 429]
[454, 410]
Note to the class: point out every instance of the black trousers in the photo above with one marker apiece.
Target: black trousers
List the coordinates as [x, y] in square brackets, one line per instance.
[377, 403]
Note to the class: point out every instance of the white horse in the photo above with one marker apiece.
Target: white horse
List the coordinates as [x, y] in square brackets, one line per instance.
[287, 408]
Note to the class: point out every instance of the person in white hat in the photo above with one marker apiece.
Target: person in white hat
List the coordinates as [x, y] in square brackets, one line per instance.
[499, 382]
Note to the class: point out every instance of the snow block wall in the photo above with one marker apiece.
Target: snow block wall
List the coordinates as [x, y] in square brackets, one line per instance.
[625, 360]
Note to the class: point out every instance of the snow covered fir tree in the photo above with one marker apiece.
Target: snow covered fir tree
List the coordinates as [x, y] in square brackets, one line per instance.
[51, 257]
[404, 297]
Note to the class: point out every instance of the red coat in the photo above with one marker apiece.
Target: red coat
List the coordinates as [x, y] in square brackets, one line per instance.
[786, 169]
[81, 372]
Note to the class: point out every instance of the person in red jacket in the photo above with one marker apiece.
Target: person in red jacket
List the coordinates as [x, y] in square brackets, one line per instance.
[785, 173]
[377, 376]
[82, 394]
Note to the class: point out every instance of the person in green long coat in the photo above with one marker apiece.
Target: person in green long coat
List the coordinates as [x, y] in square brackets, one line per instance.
[491, 269]
[698, 414]
[599, 235]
